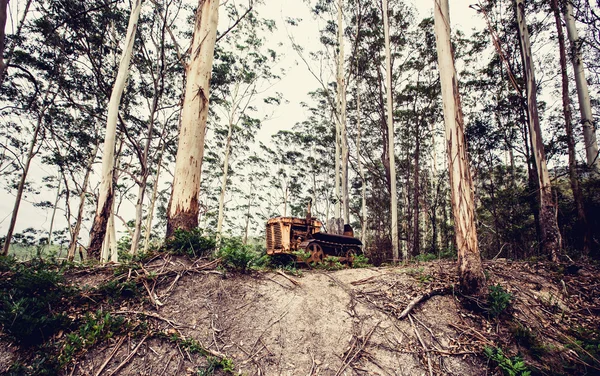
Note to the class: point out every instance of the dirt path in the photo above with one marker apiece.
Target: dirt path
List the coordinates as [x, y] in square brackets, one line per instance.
[347, 322]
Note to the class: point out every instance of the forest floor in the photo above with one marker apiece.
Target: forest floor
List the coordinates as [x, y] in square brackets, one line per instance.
[187, 317]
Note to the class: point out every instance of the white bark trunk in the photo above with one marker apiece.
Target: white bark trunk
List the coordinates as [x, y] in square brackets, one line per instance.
[549, 226]
[234, 108]
[183, 206]
[77, 228]
[153, 201]
[341, 82]
[108, 158]
[470, 270]
[221, 215]
[54, 211]
[361, 171]
[585, 107]
[338, 196]
[390, 123]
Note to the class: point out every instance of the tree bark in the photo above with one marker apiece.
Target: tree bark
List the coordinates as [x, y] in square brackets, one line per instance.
[54, 212]
[77, 228]
[390, 124]
[341, 82]
[361, 171]
[416, 228]
[574, 179]
[221, 215]
[183, 206]
[548, 224]
[585, 107]
[3, 14]
[153, 201]
[108, 158]
[472, 280]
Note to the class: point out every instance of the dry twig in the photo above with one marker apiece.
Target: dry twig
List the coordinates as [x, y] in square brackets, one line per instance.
[112, 354]
[126, 360]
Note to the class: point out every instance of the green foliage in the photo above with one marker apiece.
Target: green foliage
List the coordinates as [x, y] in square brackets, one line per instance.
[424, 257]
[95, 327]
[303, 256]
[31, 295]
[586, 343]
[238, 256]
[116, 289]
[330, 263]
[360, 261]
[191, 243]
[514, 366]
[214, 364]
[498, 300]
[529, 340]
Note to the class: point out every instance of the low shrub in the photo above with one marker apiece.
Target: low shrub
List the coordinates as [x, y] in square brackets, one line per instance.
[360, 261]
[498, 300]
[237, 256]
[514, 366]
[31, 297]
[191, 243]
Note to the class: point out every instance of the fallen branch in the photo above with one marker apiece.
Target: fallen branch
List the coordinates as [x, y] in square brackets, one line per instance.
[360, 349]
[361, 281]
[424, 297]
[422, 344]
[296, 283]
[112, 354]
[126, 360]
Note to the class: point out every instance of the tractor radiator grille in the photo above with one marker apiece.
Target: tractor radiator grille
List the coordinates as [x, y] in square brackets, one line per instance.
[274, 236]
[277, 235]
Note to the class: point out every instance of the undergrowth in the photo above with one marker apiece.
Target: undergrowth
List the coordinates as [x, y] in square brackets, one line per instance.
[498, 300]
[191, 243]
[32, 296]
[510, 366]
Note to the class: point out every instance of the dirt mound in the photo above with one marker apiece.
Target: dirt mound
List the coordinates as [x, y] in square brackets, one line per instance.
[346, 322]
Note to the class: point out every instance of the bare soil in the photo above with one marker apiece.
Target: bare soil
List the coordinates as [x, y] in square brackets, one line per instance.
[347, 322]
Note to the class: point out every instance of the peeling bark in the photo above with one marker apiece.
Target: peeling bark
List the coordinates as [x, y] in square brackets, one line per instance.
[472, 280]
[183, 206]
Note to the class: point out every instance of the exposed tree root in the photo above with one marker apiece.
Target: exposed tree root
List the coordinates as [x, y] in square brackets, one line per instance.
[420, 299]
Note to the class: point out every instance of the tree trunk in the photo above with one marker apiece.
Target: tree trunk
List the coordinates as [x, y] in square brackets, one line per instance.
[361, 171]
[137, 229]
[574, 179]
[153, 201]
[472, 280]
[54, 212]
[585, 107]
[21, 186]
[390, 124]
[416, 228]
[342, 114]
[183, 206]
[224, 180]
[106, 193]
[3, 14]
[77, 228]
[250, 200]
[549, 227]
